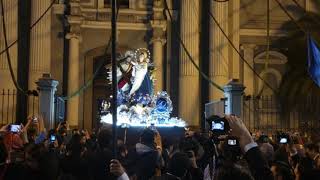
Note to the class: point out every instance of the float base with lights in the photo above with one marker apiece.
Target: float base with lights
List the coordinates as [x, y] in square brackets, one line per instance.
[138, 106]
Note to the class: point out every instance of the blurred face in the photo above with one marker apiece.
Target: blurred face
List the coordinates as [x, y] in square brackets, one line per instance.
[310, 153]
[83, 140]
[276, 176]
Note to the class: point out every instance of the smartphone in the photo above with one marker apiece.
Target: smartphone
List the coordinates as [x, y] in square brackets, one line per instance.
[52, 138]
[283, 140]
[15, 128]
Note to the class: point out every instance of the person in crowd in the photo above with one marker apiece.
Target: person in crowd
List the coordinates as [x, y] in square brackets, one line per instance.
[100, 158]
[312, 151]
[75, 162]
[145, 160]
[3, 158]
[65, 154]
[117, 170]
[282, 171]
[178, 167]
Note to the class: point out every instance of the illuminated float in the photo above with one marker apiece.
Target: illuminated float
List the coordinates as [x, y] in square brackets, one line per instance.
[137, 105]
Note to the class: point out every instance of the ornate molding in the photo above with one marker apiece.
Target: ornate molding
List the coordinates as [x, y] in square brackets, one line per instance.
[274, 58]
[59, 9]
[262, 32]
[120, 25]
[248, 46]
[159, 24]
[162, 40]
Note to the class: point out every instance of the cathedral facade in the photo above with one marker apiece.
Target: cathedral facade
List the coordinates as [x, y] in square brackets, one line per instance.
[70, 42]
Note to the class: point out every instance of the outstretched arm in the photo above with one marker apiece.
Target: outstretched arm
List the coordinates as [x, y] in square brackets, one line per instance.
[257, 164]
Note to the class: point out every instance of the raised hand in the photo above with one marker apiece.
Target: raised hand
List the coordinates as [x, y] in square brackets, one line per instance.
[116, 168]
[239, 130]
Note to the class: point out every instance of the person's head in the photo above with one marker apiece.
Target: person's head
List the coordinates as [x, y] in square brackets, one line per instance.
[32, 155]
[267, 151]
[104, 138]
[62, 131]
[32, 134]
[75, 131]
[281, 171]
[189, 144]
[74, 147]
[303, 168]
[179, 165]
[311, 150]
[229, 171]
[147, 137]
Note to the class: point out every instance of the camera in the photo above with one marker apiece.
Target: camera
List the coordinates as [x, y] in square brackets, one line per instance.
[232, 142]
[231, 149]
[14, 128]
[218, 125]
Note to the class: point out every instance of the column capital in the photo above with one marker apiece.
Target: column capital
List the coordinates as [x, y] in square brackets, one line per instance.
[248, 46]
[75, 30]
[159, 24]
[162, 40]
[72, 35]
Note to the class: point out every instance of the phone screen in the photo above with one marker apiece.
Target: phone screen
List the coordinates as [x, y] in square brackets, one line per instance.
[52, 138]
[15, 128]
[218, 125]
[283, 140]
[232, 142]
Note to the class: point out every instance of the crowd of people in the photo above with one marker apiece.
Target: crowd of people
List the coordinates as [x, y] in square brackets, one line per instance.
[31, 152]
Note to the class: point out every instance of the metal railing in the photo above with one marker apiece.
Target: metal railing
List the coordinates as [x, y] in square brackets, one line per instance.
[267, 114]
[8, 106]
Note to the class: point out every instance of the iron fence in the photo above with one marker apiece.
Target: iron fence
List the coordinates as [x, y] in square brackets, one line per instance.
[8, 106]
[59, 109]
[267, 114]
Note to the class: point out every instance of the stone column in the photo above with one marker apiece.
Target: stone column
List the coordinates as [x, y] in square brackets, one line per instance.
[159, 27]
[233, 91]
[73, 79]
[234, 34]
[47, 88]
[189, 100]
[248, 74]
[40, 45]
[157, 57]
[312, 6]
[74, 19]
[219, 64]
[170, 49]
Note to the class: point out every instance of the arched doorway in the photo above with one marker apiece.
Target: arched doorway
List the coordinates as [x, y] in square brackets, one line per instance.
[99, 88]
